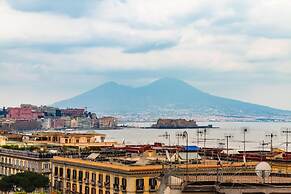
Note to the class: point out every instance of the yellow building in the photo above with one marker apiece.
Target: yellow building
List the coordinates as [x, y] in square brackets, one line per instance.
[73, 175]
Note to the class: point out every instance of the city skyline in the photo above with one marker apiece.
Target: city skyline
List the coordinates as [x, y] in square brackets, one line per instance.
[236, 49]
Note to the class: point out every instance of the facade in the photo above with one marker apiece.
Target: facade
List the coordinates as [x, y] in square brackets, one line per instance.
[16, 161]
[70, 139]
[23, 113]
[73, 175]
[73, 112]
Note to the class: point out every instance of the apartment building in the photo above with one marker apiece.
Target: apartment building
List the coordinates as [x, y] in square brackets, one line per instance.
[75, 175]
[16, 161]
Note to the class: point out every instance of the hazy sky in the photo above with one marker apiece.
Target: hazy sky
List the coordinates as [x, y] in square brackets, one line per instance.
[50, 50]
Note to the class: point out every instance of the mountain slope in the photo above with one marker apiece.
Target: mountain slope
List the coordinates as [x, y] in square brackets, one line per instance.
[162, 95]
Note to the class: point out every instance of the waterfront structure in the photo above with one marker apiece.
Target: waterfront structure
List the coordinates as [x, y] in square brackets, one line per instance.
[175, 123]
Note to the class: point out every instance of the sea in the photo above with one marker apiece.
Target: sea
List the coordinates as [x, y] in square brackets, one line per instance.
[257, 136]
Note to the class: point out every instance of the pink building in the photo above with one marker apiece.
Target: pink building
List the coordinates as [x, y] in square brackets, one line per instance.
[23, 113]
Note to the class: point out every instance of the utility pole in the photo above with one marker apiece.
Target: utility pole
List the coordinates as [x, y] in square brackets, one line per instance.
[227, 140]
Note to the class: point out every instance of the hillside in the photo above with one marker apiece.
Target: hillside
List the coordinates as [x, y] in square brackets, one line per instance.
[163, 95]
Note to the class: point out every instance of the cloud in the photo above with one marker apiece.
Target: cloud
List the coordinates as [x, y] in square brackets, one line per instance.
[87, 42]
[76, 8]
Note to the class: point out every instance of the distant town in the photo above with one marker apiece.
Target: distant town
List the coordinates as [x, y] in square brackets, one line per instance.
[30, 117]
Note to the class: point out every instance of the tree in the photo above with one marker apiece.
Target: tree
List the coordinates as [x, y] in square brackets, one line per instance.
[27, 181]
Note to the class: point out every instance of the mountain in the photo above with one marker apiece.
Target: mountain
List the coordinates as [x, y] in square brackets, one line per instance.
[164, 95]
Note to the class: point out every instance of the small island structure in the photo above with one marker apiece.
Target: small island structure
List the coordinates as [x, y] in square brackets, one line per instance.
[177, 124]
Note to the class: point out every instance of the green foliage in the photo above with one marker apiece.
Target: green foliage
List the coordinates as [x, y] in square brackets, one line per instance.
[27, 181]
[17, 147]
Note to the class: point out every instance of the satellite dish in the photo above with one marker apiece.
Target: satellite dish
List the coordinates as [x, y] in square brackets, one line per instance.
[263, 170]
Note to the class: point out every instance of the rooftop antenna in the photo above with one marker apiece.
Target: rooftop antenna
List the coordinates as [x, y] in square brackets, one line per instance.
[286, 131]
[263, 144]
[271, 136]
[245, 130]
[178, 136]
[204, 144]
[227, 137]
[198, 133]
[167, 135]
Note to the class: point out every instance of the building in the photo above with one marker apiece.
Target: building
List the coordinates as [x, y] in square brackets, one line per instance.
[73, 112]
[58, 123]
[27, 125]
[107, 122]
[23, 113]
[16, 161]
[74, 175]
[70, 139]
[7, 124]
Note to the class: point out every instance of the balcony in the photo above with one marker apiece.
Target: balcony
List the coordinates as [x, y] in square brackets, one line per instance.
[116, 187]
[123, 188]
[107, 185]
[153, 189]
[100, 184]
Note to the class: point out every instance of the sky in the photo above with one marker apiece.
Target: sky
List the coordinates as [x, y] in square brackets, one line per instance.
[53, 50]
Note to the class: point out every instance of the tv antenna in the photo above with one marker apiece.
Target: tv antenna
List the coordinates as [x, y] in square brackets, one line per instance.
[227, 137]
[167, 135]
[271, 136]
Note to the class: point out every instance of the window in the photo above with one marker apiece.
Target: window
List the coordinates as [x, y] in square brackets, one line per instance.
[80, 189]
[68, 173]
[86, 190]
[116, 184]
[74, 174]
[74, 189]
[100, 180]
[87, 175]
[107, 192]
[139, 184]
[152, 183]
[93, 191]
[61, 172]
[80, 176]
[107, 181]
[56, 171]
[93, 180]
[100, 191]
[68, 186]
[123, 184]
